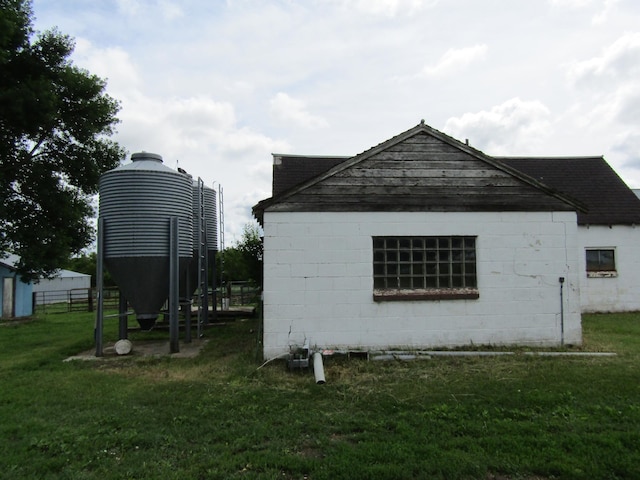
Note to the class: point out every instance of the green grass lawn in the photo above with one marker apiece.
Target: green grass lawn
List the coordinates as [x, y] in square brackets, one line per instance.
[218, 416]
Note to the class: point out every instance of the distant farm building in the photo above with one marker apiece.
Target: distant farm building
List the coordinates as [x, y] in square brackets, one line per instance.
[65, 286]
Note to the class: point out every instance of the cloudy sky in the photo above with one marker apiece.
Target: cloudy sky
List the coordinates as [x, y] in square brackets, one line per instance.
[217, 86]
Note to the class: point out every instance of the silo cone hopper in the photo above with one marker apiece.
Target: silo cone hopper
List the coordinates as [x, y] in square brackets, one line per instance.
[144, 283]
[137, 203]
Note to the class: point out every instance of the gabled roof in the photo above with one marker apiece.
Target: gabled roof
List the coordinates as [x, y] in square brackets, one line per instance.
[62, 273]
[421, 169]
[589, 179]
[9, 260]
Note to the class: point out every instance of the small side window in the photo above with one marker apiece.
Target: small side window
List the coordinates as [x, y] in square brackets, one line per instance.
[601, 262]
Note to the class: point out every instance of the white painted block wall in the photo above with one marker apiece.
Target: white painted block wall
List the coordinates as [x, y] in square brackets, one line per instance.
[616, 294]
[318, 277]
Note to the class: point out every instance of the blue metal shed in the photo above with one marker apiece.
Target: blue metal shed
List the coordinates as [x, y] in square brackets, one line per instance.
[15, 295]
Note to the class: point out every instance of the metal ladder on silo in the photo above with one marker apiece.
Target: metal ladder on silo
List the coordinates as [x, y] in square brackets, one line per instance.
[202, 257]
[221, 234]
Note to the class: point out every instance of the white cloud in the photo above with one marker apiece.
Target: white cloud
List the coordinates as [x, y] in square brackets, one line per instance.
[388, 8]
[602, 7]
[176, 123]
[199, 128]
[128, 7]
[629, 111]
[170, 10]
[456, 59]
[515, 127]
[603, 15]
[290, 109]
[200, 114]
[608, 84]
[620, 60]
[112, 64]
[571, 3]
[628, 144]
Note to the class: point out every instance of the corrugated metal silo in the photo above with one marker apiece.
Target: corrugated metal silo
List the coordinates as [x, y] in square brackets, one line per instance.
[211, 212]
[209, 199]
[137, 201]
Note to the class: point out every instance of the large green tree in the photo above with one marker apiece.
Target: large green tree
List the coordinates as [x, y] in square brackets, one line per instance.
[243, 262]
[55, 124]
[252, 251]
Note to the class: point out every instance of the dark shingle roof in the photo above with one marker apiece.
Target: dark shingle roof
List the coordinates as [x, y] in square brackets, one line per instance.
[580, 181]
[291, 170]
[588, 179]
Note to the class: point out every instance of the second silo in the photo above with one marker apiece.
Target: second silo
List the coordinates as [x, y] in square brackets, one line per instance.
[204, 215]
[209, 211]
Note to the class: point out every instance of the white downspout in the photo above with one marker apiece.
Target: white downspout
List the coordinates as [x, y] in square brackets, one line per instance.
[318, 368]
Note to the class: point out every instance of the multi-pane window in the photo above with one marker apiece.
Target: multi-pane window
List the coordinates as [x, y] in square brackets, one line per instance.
[601, 260]
[424, 263]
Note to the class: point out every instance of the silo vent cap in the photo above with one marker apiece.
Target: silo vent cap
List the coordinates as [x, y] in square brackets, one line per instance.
[136, 157]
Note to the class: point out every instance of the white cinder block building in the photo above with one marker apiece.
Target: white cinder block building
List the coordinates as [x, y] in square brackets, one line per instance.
[419, 242]
[610, 266]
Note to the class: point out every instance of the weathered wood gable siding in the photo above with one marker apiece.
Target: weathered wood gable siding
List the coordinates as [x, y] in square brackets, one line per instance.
[421, 173]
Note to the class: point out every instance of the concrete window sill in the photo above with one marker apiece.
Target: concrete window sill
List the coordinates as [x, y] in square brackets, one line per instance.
[380, 295]
[602, 274]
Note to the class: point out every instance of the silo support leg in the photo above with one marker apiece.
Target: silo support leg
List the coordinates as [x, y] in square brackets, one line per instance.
[123, 319]
[98, 330]
[174, 346]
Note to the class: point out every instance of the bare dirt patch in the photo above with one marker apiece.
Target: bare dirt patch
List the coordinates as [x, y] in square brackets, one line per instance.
[141, 349]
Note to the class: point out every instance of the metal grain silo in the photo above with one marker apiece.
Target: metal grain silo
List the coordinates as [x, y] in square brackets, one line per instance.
[205, 220]
[211, 214]
[137, 201]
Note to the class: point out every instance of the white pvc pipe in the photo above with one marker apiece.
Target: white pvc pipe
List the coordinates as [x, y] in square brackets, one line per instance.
[318, 368]
[123, 346]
